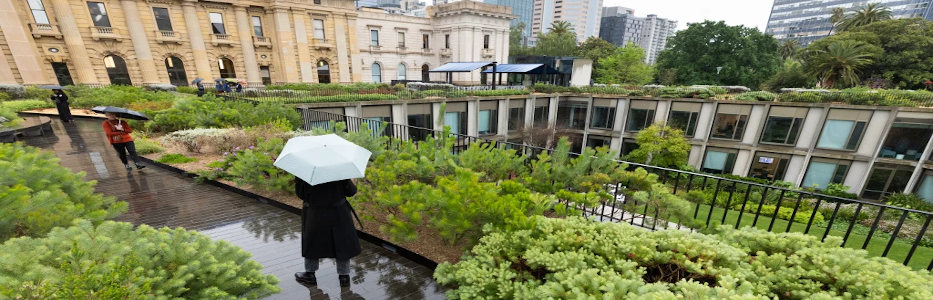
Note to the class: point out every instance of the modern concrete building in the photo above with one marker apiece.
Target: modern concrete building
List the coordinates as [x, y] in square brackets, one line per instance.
[808, 20]
[175, 41]
[583, 15]
[620, 26]
[873, 150]
[398, 47]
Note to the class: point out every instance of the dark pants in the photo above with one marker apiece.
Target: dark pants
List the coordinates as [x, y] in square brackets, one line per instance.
[200, 92]
[64, 112]
[122, 148]
[343, 265]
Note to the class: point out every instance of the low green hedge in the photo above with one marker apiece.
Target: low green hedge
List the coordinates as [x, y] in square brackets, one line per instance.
[321, 99]
[582, 259]
[37, 194]
[114, 261]
[175, 158]
[23, 105]
[210, 112]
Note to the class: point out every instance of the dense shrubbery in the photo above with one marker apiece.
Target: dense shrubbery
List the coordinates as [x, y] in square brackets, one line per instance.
[333, 98]
[82, 96]
[9, 118]
[37, 194]
[862, 96]
[911, 201]
[577, 258]
[756, 96]
[114, 261]
[144, 145]
[336, 88]
[21, 105]
[212, 112]
[252, 166]
[175, 158]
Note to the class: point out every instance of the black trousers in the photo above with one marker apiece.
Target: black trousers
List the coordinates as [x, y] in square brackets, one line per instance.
[122, 148]
[64, 112]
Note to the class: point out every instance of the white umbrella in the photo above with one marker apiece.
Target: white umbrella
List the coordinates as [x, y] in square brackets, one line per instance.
[325, 158]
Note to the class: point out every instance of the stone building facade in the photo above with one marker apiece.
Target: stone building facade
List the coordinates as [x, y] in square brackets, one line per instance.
[399, 47]
[145, 42]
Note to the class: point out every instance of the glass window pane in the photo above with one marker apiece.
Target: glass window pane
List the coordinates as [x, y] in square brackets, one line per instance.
[483, 124]
[257, 26]
[715, 161]
[639, 119]
[217, 23]
[925, 190]
[374, 37]
[855, 136]
[452, 120]
[906, 141]
[729, 126]
[516, 118]
[603, 117]
[402, 73]
[835, 134]
[35, 4]
[40, 17]
[163, 21]
[777, 130]
[98, 14]
[819, 175]
[377, 73]
[318, 29]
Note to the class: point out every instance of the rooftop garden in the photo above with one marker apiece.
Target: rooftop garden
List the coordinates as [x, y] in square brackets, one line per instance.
[58, 243]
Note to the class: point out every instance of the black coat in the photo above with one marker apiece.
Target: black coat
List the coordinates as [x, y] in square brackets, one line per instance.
[326, 222]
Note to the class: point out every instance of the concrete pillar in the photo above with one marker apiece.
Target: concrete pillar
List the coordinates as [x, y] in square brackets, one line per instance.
[355, 68]
[286, 45]
[21, 46]
[243, 23]
[301, 40]
[202, 64]
[134, 26]
[343, 57]
[81, 60]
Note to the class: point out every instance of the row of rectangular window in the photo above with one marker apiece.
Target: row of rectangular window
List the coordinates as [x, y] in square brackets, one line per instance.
[100, 18]
[425, 40]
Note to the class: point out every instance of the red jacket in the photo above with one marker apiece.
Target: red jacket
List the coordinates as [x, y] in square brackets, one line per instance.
[117, 136]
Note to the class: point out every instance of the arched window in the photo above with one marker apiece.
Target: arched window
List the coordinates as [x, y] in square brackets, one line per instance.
[176, 71]
[377, 73]
[116, 70]
[226, 68]
[425, 75]
[402, 73]
[323, 72]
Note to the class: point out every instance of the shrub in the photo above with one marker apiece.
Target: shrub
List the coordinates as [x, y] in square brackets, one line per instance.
[757, 96]
[4, 97]
[23, 105]
[211, 112]
[37, 93]
[193, 140]
[175, 158]
[144, 145]
[188, 90]
[579, 258]
[9, 118]
[82, 96]
[334, 98]
[37, 194]
[114, 261]
[252, 166]
[802, 216]
[15, 91]
[911, 201]
[805, 97]
[498, 93]
[550, 89]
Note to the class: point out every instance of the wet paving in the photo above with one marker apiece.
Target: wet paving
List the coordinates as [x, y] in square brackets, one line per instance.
[158, 197]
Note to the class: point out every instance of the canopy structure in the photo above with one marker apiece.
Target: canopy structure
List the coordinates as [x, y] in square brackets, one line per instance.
[534, 71]
[463, 67]
[524, 69]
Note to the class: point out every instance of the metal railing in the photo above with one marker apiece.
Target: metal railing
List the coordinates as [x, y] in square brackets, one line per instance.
[884, 230]
[167, 33]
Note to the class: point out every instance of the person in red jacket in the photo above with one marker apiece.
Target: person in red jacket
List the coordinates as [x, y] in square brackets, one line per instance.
[118, 133]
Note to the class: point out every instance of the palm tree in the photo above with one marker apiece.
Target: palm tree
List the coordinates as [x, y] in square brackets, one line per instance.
[838, 15]
[789, 48]
[865, 15]
[839, 62]
[561, 27]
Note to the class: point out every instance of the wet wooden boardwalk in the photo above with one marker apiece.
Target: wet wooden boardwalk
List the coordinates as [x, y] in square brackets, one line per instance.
[158, 198]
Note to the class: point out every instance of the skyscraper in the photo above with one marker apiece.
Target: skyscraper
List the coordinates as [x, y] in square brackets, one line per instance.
[520, 8]
[808, 20]
[583, 15]
[620, 26]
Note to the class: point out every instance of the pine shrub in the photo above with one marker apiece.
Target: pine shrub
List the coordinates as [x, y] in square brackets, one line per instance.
[37, 194]
[115, 261]
[581, 259]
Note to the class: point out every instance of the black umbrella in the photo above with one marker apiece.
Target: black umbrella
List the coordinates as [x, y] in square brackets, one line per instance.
[121, 112]
[51, 87]
[197, 80]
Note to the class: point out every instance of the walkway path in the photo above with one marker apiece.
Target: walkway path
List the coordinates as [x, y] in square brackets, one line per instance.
[159, 198]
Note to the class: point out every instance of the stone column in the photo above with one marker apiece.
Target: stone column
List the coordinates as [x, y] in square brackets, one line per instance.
[193, 25]
[77, 52]
[21, 46]
[356, 67]
[243, 23]
[140, 42]
[343, 58]
[286, 46]
[305, 65]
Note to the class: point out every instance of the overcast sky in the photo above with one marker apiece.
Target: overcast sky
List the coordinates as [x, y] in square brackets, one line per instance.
[750, 13]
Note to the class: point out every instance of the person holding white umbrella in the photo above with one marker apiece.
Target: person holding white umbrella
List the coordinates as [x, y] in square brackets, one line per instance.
[323, 167]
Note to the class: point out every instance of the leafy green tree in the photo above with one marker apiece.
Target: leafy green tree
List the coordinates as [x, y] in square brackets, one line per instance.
[840, 62]
[516, 39]
[595, 49]
[660, 145]
[624, 66]
[873, 12]
[746, 56]
[561, 27]
[555, 44]
[904, 58]
[791, 75]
